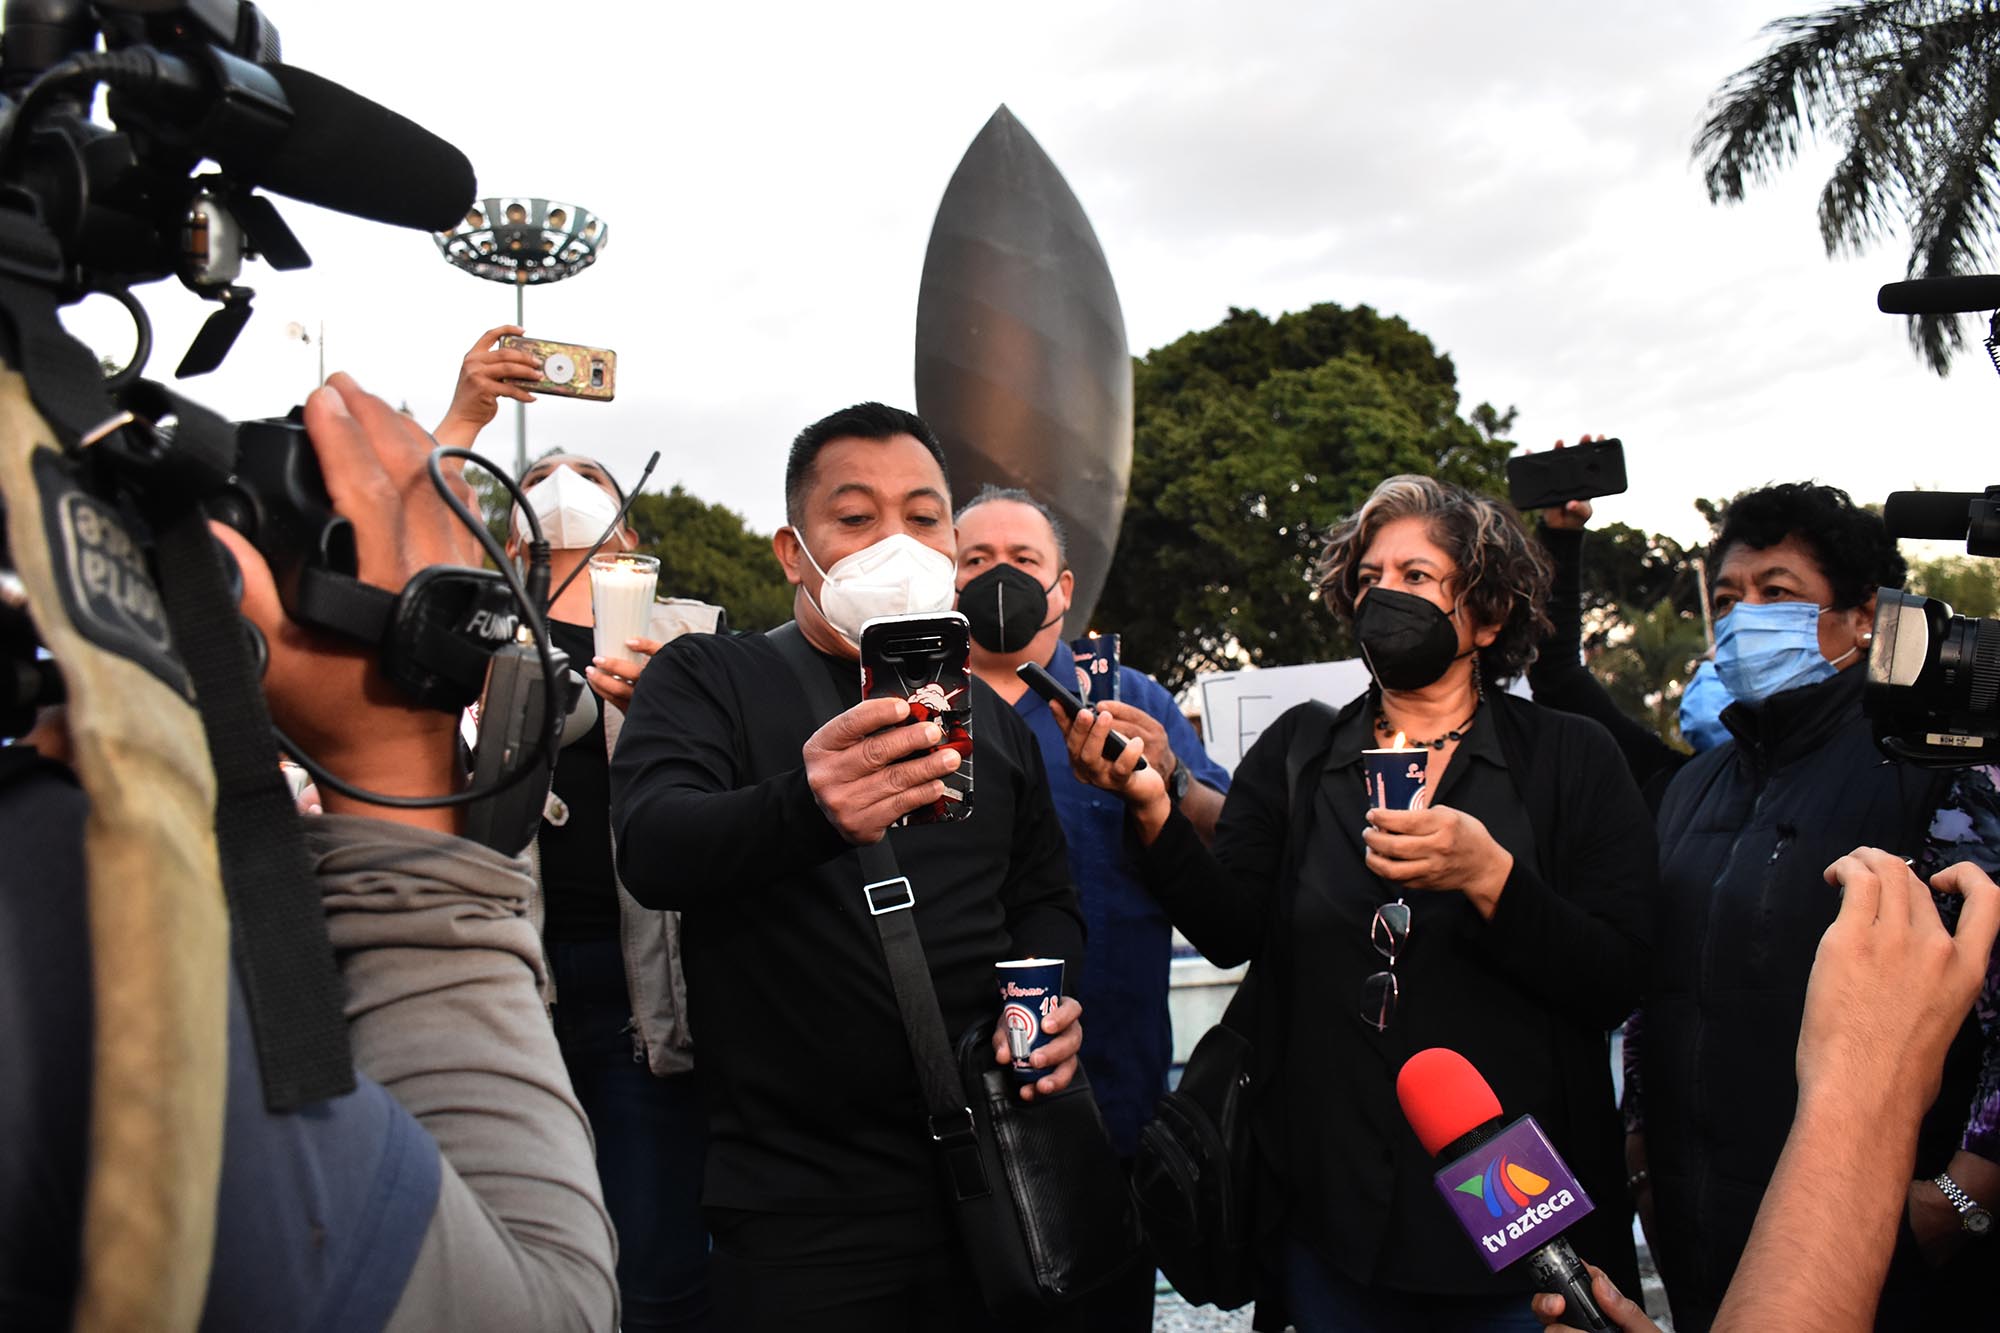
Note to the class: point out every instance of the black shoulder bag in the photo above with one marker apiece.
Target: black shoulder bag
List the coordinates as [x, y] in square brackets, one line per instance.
[1196, 1169]
[1043, 1208]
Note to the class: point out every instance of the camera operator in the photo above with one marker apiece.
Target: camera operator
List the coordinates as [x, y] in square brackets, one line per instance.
[454, 1187]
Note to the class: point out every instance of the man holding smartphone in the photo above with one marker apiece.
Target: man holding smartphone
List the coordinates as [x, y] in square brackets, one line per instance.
[737, 805]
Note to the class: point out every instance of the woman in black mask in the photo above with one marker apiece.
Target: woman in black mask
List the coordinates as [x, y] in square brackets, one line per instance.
[1505, 918]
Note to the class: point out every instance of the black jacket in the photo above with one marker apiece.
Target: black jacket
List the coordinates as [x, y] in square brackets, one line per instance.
[1746, 833]
[1526, 996]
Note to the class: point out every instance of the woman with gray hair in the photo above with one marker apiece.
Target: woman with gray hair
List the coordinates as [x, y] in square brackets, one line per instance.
[1503, 916]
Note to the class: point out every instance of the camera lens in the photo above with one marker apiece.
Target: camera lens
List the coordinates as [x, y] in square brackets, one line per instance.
[1969, 661]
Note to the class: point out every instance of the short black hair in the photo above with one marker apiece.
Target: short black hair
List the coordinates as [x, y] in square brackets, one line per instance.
[863, 421]
[1852, 546]
[989, 493]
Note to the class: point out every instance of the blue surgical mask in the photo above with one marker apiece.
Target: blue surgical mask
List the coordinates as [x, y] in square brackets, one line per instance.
[1766, 648]
[1702, 703]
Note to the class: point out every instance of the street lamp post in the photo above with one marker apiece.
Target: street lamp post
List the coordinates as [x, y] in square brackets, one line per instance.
[524, 241]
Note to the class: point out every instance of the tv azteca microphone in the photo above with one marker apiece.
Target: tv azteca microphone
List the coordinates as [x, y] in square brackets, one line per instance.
[1501, 1179]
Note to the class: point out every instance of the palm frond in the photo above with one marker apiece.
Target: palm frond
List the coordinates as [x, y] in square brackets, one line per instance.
[1756, 120]
[1952, 229]
[1896, 98]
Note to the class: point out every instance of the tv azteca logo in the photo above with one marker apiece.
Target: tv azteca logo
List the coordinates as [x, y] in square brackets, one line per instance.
[1509, 1189]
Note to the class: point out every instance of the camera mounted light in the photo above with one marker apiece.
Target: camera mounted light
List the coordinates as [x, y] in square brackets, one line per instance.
[524, 241]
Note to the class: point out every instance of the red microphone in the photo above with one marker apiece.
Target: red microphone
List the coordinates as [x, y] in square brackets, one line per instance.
[1502, 1180]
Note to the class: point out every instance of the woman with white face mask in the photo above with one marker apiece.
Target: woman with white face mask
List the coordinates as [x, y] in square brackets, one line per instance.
[1746, 831]
[620, 1007]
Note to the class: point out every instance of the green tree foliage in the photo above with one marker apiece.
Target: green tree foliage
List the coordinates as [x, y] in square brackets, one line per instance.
[1650, 661]
[1910, 92]
[1250, 440]
[1627, 567]
[707, 552]
[1970, 584]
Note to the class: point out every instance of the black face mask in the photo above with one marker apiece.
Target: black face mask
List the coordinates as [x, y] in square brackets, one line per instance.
[1005, 608]
[1407, 641]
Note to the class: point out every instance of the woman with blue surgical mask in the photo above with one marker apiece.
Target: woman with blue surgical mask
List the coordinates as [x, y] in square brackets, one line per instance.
[1747, 831]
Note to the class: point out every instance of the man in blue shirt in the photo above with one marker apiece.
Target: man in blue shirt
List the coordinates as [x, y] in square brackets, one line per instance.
[1014, 586]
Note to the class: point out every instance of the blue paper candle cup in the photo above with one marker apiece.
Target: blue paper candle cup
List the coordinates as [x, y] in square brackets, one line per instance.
[1030, 990]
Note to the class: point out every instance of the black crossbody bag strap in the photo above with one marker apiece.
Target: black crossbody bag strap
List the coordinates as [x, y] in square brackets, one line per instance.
[891, 904]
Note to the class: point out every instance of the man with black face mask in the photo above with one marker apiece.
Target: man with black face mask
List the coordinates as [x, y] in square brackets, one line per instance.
[1014, 587]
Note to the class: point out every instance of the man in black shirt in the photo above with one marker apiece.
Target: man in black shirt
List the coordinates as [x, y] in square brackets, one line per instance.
[737, 805]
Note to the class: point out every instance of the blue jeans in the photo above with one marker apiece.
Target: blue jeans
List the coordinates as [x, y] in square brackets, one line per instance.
[652, 1136]
[1324, 1301]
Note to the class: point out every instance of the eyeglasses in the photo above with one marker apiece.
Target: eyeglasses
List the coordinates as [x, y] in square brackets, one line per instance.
[1389, 932]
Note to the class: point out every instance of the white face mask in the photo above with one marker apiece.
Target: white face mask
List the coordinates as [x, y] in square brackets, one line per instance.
[897, 576]
[574, 510]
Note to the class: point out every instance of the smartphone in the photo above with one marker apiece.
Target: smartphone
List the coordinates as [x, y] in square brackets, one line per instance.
[926, 661]
[1096, 667]
[570, 370]
[1556, 476]
[1055, 692]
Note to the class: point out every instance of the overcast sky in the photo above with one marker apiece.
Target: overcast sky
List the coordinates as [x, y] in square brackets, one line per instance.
[1511, 178]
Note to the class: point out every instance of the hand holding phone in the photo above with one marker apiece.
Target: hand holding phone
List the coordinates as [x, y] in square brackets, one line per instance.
[1055, 692]
[569, 370]
[925, 660]
[1584, 471]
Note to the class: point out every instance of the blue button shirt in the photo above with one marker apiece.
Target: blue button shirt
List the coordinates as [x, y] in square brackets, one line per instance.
[1128, 1037]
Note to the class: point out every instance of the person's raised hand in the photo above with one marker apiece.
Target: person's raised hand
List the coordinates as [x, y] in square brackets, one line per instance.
[866, 771]
[1143, 790]
[486, 375]
[328, 694]
[1438, 848]
[1626, 1316]
[1890, 986]
[614, 678]
[1057, 1058]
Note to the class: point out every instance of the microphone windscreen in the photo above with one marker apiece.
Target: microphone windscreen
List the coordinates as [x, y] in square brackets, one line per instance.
[347, 153]
[1941, 515]
[1940, 296]
[1443, 1097]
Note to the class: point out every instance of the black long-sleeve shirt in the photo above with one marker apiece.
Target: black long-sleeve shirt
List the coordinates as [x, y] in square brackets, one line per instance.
[1559, 679]
[813, 1100]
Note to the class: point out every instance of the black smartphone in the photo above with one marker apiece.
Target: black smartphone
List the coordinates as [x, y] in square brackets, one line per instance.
[1053, 690]
[926, 661]
[1556, 476]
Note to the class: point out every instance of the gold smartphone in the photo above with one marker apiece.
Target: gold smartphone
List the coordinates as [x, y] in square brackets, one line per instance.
[570, 370]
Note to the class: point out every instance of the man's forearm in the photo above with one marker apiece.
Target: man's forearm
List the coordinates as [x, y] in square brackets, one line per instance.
[1817, 1257]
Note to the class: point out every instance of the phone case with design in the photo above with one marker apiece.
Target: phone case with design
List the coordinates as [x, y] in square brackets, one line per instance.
[926, 660]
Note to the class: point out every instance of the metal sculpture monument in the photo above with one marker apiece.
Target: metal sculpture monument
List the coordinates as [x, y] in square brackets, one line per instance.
[1021, 358]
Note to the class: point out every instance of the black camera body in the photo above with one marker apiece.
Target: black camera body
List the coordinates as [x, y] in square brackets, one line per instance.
[87, 207]
[1933, 690]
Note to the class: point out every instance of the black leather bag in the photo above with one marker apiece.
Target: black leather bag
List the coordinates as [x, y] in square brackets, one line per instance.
[1061, 1220]
[1195, 1171]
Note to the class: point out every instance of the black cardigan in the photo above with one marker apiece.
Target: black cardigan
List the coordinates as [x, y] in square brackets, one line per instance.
[1562, 956]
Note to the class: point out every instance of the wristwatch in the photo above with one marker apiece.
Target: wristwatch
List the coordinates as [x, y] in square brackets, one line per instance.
[1971, 1216]
[1177, 785]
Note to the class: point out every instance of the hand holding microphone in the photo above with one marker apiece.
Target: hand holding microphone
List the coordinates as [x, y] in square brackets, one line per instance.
[1502, 1180]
